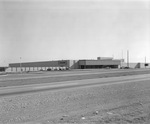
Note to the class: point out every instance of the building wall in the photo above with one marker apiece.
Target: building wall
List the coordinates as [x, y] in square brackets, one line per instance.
[74, 64]
[136, 65]
[101, 62]
[82, 62]
[26, 69]
[59, 63]
[36, 66]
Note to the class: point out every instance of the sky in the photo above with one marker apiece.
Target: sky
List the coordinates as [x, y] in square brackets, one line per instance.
[44, 30]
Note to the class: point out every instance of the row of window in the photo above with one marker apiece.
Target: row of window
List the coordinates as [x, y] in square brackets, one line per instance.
[98, 66]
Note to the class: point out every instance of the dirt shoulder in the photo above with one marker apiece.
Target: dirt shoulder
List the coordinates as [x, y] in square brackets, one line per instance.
[130, 104]
[110, 104]
[136, 113]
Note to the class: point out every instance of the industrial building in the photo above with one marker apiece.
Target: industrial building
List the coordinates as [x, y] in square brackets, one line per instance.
[35, 66]
[100, 62]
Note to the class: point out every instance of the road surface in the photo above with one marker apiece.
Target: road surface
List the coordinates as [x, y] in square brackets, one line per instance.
[50, 77]
[6, 91]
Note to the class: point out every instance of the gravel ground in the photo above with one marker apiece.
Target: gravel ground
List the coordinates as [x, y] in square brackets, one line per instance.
[110, 104]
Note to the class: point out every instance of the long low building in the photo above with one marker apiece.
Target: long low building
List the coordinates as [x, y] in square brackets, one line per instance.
[100, 62]
[35, 66]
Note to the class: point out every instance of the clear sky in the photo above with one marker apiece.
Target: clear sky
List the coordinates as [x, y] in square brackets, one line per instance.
[43, 30]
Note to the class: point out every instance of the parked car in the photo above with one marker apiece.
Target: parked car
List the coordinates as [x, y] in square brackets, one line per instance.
[49, 69]
[107, 67]
[124, 67]
[41, 70]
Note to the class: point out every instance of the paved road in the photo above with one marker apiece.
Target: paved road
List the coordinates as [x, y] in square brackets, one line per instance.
[33, 75]
[72, 84]
[51, 77]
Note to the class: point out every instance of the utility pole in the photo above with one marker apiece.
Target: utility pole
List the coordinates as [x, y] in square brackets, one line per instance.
[20, 65]
[122, 58]
[122, 54]
[128, 58]
[145, 61]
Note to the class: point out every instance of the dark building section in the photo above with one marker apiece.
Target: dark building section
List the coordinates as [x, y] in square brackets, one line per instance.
[137, 65]
[87, 64]
[2, 69]
[41, 64]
